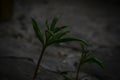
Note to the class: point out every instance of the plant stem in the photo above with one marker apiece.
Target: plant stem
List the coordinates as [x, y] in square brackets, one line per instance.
[38, 64]
[78, 70]
[83, 56]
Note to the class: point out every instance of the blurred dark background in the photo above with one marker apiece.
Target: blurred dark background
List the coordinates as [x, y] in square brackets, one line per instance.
[96, 21]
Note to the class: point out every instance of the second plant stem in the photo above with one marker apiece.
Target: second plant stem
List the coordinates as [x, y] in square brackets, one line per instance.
[83, 56]
[79, 67]
[38, 63]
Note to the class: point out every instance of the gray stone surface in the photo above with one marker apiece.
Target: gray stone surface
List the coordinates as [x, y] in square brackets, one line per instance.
[98, 22]
[15, 68]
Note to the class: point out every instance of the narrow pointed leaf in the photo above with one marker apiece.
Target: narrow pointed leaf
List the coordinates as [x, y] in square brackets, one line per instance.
[47, 34]
[55, 20]
[59, 35]
[50, 32]
[89, 53]
[66, 76]
[67, 40]
[46, 23]
[95, 60]
[59, 29]
[37, 31]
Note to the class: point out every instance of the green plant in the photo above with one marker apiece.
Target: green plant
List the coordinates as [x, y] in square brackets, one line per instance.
[52, 35]
[85, 58]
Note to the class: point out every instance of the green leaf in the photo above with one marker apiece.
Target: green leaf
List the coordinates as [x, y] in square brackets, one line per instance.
[57, 36]
[89, 53]
[55, 20]
[66, 40]
[37, 31]
[60, 34]
[59, 29]
[66, 76]
[47, 34]
[50, 32]
[95, 60]
[46, 23]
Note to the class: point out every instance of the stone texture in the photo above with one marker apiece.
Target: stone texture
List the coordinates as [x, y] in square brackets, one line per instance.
[95, 21]
[12, 68]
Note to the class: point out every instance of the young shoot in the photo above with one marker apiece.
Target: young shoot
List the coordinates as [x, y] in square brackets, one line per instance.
[52, 35]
